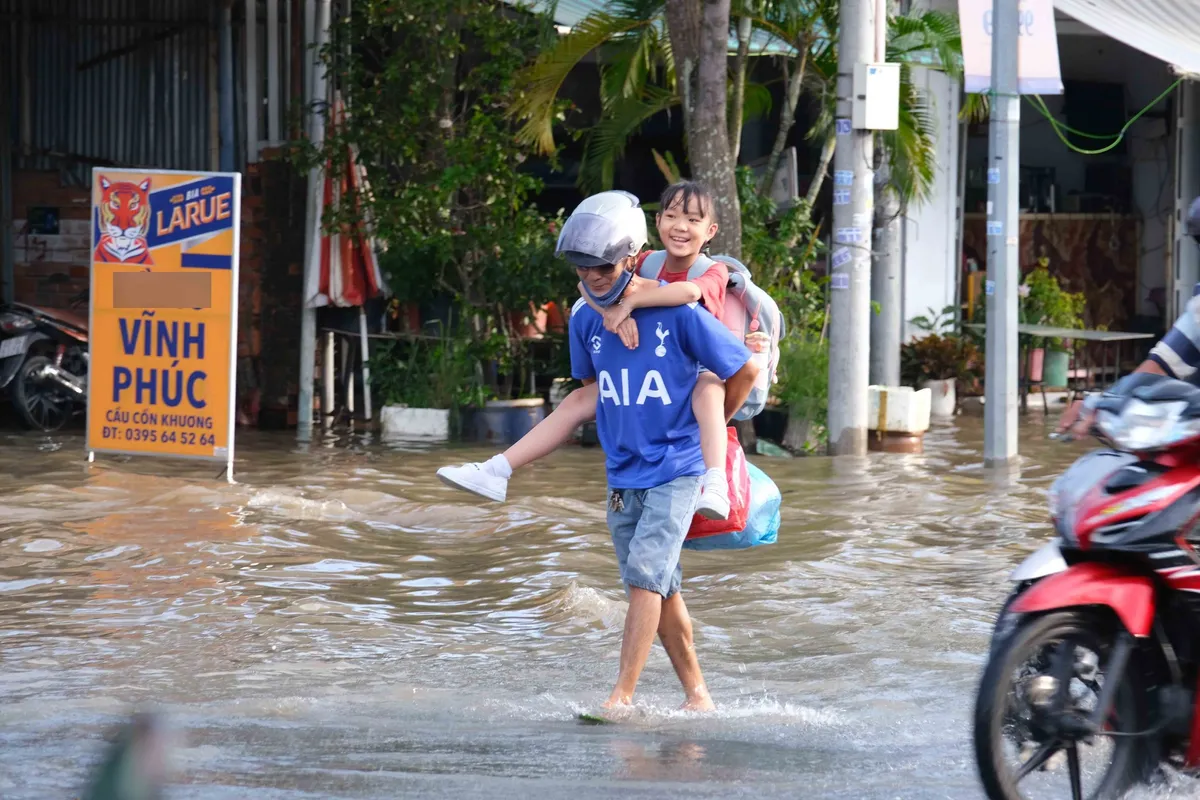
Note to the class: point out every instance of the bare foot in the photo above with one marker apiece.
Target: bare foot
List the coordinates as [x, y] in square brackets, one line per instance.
[617, 701]
[699, 702]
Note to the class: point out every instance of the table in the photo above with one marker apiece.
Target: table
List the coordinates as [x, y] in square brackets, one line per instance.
[1076, 335]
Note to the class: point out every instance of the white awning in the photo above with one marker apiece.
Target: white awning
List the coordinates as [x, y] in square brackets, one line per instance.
[1165, 29]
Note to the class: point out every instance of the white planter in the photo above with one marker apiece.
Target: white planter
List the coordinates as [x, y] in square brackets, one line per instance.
[944, 400]
[402, 422]
[898, 409]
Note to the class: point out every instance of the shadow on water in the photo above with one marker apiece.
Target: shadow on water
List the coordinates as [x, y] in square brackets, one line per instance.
[339, 624]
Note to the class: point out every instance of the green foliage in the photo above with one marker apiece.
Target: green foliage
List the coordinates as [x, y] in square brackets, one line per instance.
[942, 353]
[427, 86]
[803, 387]
[427, 373]
[930, 38]
[944, 322]
[779, 248]
[1044, 302]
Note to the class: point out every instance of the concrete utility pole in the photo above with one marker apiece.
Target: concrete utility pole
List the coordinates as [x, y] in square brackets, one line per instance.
[308, 315]
[1003, 271]
[850, 260]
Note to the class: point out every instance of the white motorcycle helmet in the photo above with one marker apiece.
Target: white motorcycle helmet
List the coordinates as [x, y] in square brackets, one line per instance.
[604, 229]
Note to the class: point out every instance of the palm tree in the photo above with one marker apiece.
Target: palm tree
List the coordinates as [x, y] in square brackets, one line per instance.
[905, 171]
[638, 81]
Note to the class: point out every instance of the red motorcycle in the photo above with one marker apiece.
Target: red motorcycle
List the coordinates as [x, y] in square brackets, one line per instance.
[1096, 653]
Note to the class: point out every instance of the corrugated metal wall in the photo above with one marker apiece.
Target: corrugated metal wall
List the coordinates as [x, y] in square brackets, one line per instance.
[124, 82]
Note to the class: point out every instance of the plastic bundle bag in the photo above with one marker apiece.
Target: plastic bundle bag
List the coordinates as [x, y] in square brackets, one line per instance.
[762, 518]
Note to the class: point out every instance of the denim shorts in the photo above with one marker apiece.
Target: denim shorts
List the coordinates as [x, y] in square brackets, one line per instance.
[648, 527]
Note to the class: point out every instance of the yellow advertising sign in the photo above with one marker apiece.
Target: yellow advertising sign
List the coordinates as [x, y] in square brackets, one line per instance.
[164, 303]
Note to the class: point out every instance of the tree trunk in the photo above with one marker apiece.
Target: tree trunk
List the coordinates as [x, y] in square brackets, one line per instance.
[885, 279]
[814, 188]
[699, 31]
[795, 435]
[787, 118]
[737, 111]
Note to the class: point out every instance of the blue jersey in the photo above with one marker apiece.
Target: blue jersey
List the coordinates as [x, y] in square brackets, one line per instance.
[644, 413]
[1178, 353]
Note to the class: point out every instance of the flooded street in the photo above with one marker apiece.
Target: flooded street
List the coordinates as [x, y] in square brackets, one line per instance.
[340, 624]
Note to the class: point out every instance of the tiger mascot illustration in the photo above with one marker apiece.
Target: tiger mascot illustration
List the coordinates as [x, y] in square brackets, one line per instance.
[124, 222]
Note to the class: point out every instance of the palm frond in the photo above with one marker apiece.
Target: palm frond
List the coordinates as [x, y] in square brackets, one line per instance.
[539, 84]
[975, 108]
[632, 63]
[911, 148]
[636, 9]
[667, 166]
[931, 39]
[757, 102]
[605, 143]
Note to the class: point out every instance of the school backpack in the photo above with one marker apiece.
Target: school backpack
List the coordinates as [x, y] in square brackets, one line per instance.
[750, 314]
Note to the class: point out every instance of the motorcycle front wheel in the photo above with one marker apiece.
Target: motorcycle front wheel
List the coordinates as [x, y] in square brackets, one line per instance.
[1020, 748]
[41, 406]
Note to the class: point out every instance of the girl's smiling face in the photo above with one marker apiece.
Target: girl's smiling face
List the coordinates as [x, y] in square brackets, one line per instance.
[686, 224]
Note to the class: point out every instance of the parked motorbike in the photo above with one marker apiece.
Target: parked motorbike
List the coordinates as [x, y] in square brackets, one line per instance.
[44, 362]
[1096, 652]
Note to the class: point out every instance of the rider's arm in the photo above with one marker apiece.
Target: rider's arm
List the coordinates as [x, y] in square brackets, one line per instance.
[1177, 354]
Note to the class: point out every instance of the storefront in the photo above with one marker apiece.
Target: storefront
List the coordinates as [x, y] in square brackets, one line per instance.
[1100, 212]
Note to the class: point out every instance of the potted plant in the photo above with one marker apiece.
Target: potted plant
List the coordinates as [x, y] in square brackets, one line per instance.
[938, 360]
[424, 383]
[1044, 302]
[803, 392]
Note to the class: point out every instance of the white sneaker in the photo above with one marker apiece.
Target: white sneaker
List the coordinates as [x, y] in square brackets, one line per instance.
[476, 479]
[714, 497]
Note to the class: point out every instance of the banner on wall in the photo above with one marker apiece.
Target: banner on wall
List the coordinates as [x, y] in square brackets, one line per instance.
[163, 313]
[1037, 36]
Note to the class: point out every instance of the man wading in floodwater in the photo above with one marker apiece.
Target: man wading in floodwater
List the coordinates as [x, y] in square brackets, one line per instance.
[650, 436]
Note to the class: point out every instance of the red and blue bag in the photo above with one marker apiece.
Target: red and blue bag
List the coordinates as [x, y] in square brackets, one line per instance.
[754, 503]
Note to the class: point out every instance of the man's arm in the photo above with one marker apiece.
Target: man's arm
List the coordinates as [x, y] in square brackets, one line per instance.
[1176, 355]
[738, 386]
[1076, 419]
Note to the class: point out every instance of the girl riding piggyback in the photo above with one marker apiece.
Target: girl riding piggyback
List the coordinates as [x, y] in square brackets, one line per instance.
[686, 223]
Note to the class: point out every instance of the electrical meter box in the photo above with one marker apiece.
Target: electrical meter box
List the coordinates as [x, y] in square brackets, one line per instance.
[876, 104]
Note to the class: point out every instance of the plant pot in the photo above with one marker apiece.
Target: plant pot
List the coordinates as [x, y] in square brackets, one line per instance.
[506, 421]
[555, 321]
[402, 422]
[802, 435]
[1037, 357]
[943, 400]
[1055, 374]
[529, 324]
[897, 409]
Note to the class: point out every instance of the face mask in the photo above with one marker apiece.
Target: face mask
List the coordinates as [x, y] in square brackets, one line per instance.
[612, 295]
